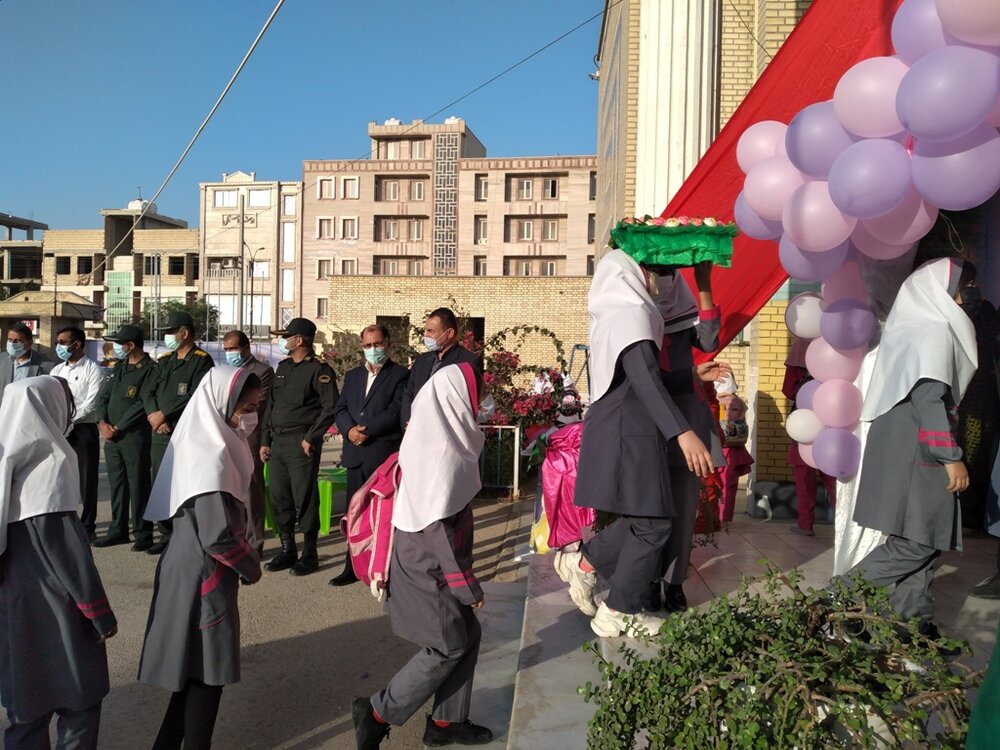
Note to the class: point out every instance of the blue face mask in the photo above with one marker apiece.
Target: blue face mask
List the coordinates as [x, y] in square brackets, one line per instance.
[171, 342]
[15, 349]
[431, 343]
[63, 352]
[376, 356]
[283, 346]
[234, 358]
[119, 350]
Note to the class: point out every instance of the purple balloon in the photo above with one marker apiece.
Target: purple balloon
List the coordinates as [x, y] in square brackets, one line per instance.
[810, 267]
[815, 138]
[905, 224]
[948, 93]
[870, 178]
[960, 174]
[804, 398]
[847, 324]
[837, 452]
[751, 224]
[917, 30]
[846, 283]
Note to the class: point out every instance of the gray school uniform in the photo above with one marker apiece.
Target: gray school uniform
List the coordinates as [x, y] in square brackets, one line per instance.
[52, 609]
[193, 630]
[903, 490]
[431, 586]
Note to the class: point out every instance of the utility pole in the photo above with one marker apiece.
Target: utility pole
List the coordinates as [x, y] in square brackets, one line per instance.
[242, 268]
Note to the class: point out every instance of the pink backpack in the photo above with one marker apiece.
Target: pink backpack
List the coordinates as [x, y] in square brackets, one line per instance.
[367, 525]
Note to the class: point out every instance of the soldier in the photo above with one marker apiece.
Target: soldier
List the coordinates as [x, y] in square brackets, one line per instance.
[122, 423]
[165, 395]
[301, 410]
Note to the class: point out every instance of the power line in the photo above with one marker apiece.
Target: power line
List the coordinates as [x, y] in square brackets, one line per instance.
[749, 30]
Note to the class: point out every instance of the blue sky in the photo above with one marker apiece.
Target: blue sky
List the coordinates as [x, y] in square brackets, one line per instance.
[100, 98]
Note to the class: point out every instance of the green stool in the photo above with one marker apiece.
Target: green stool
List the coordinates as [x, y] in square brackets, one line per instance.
[329, 482]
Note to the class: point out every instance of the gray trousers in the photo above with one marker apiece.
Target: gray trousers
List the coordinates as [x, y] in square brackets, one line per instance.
[907, 565]
[677, 554]
[628, 553]
[75, 730]
[447, 675]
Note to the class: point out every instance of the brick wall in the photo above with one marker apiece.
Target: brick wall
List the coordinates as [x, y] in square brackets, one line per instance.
[771, 408]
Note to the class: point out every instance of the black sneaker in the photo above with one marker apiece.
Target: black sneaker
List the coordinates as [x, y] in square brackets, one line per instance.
[112, 540]
[142, 545]
[456, 733]
[368, 731]
[674, 599]
[156, 549]
[653, 600]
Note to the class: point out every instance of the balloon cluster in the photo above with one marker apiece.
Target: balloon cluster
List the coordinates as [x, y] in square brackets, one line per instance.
[865, 174]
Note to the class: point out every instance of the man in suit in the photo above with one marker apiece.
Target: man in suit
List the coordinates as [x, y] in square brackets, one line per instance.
[236, 346]
[21, 361]
[441, 340]
[367, 417]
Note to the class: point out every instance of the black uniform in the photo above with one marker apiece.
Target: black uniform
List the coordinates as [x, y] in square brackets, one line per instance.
[127, 456]
[302, 406]
[426, 365]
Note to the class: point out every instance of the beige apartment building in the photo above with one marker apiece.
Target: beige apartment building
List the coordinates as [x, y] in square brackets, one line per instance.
[429, 202]
[250, 249]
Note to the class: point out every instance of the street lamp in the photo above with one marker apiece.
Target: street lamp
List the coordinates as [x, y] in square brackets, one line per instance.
[253, 260]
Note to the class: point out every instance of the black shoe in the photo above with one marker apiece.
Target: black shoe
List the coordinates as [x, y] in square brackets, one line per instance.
[930, 631]
[143, 545]
[112, 540]
[346, 578]
[653, 600]
[674, 599]
[988, 589]
[156, 549]
[306, 564]
[286, 557]
[456, 733]
[368, 731]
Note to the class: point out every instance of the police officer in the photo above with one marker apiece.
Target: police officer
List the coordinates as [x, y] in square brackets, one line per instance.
[122, 422]
[301, 410]
[178, 372]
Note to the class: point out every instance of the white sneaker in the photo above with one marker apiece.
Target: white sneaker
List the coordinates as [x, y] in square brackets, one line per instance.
[608, 623]
[581, 583]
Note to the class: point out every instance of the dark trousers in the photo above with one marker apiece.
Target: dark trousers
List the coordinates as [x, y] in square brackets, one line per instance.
[805, 493]
[75, 730]
[127, 462]
[190, 718]
[255, 534]
[907, 565]
[86, 443]
[629, 554]
[157, 450]
[447, 675]
[294, 494]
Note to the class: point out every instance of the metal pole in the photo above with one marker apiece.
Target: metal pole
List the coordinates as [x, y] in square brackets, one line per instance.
[253, 257]
[242, 271]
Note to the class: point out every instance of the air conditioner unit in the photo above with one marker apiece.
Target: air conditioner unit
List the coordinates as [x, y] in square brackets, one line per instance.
[482, 241]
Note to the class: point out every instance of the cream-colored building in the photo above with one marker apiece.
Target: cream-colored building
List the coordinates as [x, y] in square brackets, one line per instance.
[250, 250]
[429, 202]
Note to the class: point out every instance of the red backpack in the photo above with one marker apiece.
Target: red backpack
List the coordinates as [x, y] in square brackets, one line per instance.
[367, 525]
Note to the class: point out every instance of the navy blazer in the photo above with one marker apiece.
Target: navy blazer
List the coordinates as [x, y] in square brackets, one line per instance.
[378, 411]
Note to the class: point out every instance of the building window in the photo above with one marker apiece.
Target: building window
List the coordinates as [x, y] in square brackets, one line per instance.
[479, 265]
[321, 306]
[288, 285]
[84, 264]
[591, 228]
[524, 189]
[390, 229]
[482, 187]
[259, 269]
[325, 188]
[416, 231]
[550, 188]
[593, 186]
[548, 268]
[481, 230]
[525, 231]
[390, 267]
[392, 190]
[590, 265]
[324, 269]
[175, 265]
[260, 198]
[349, 267]
[416, 268]
[523, 268]
[225, 199]
[392, 150]
[349, 229]
[551, 230]
[288, 242]
[417, 190]
[418, 149]
[150, 265]
[63, 265]
[324, 229]
[288, 205]
[349, 188]
[195, 267]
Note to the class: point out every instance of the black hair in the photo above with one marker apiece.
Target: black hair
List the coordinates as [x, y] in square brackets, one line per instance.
[75, 334]
[447, 318]
[240, 337]
[22, 330]
[969, 274]
[377, 327]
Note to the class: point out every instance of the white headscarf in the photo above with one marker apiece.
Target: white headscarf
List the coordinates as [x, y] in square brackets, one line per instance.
[621, 314]
[205, 454]
[676, 303]
[439, 456]
[927, 336]
[38, 470]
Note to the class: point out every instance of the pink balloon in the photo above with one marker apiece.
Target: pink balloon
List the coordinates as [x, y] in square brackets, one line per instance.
[905, 224]
[769, 184]
[806, 454]
[845, 283]
[865, 97]
[976, 21]
[760, 141]
[826, 363]
[753, 225]
[837, 403]
[813, 222]
[875, 249]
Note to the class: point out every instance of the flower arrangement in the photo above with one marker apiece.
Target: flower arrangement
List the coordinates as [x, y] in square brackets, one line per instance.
[675, 241]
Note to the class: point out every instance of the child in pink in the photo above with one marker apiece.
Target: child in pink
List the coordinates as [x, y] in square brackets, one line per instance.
[732, 417]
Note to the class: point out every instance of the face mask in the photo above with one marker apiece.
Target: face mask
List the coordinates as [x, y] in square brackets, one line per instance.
[171, 342]
[119, 351]
[283, 347]
[63, 352]
[248, 423]
[486, 408]
[15, 349]
[234, 358]
[431, 344]
[376, 356]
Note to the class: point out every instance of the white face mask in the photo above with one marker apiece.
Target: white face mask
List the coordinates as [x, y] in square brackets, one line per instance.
[486, 409]
[247, 424]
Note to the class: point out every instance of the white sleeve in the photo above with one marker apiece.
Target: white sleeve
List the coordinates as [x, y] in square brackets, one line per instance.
[88, 404]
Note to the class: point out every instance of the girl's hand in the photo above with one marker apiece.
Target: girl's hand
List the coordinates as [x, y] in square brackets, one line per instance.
[698, 458]
[958, 477]
[709, 372]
